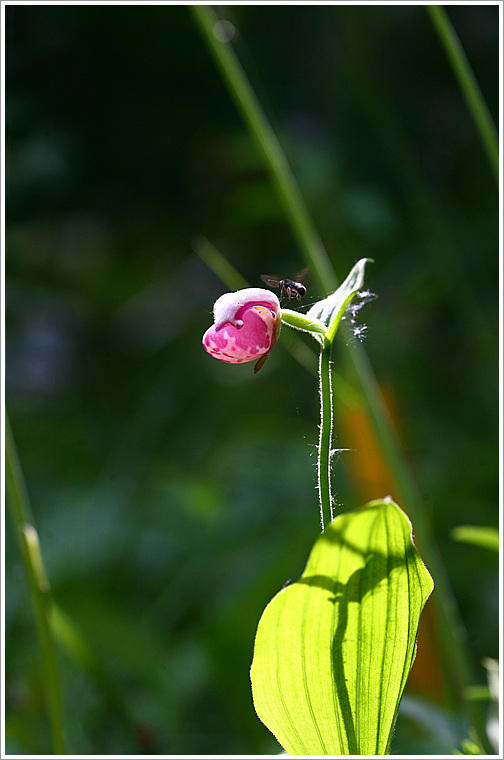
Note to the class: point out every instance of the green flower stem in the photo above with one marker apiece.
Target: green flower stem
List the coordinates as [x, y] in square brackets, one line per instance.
[325, 436]
[38, 586]
[468, 84]
[327, 417]
[456, 662]
[301, 322]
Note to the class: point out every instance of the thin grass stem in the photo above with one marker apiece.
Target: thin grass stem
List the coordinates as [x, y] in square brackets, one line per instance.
[468, 84]
[218, 263]
[38, 586]
[269, 146]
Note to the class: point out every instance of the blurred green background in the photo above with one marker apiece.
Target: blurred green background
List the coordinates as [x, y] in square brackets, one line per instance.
[175, 495]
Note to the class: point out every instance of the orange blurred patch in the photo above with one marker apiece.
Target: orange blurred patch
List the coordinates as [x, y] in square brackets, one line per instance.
[369, 471]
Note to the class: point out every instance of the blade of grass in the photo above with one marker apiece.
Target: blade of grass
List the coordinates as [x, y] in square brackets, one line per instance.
[457, 661]
[218, 263]
[70, 638]
[267, 141]
[468, 84]
[424, 205]
[38, 586]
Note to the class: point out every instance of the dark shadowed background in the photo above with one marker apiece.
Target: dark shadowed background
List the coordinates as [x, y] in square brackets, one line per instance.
[175, 495]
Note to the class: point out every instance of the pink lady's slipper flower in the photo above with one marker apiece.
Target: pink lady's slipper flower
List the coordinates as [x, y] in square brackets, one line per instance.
[246, 327]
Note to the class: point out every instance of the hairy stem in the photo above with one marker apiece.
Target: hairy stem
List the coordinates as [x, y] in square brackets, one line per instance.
[38, 586]
[325, 436]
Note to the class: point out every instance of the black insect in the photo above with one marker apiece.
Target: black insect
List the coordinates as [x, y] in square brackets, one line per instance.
[293, 288]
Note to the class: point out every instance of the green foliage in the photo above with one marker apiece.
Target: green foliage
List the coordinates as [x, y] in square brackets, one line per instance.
[333, 651]
[330, 310]
[477, 535]
[470, 746]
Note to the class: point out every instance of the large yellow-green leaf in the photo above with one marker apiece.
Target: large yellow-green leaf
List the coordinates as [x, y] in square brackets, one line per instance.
[333, 650]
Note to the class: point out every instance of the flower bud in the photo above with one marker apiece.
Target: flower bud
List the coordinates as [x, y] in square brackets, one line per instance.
[246, 326]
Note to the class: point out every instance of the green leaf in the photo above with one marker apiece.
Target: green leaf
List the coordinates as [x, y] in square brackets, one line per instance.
[329, 307]
[471, 746]
[492, 672]
[333, 651]
[477, 535]
[478, 693]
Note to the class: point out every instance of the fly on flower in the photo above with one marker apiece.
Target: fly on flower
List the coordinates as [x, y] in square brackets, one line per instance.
[293, 288]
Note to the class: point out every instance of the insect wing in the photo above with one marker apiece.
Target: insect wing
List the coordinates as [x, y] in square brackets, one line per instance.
[270, 279]
[302, 273]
